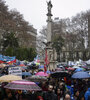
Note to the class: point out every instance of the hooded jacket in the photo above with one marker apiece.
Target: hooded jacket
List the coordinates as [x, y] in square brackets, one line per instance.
[87, 94]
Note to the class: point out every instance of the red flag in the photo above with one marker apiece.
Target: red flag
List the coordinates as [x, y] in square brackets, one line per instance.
[46, 58]
[46, 61]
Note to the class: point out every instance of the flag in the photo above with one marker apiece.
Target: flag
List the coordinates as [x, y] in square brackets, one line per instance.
[46, 62]
[45, 68]
[1, 62]
[11, 62]
[37, 59]
[46, 58]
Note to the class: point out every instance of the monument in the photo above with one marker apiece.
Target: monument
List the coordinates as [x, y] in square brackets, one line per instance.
[51, 54]
[50, 51]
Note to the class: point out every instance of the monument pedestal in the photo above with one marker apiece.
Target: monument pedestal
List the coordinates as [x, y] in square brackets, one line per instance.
[52, 64]
[51, 54]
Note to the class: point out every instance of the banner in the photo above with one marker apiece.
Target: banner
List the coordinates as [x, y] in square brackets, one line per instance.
[15, 71]
[7, 59]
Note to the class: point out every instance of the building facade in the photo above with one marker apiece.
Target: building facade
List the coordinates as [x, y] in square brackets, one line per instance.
[69, 53]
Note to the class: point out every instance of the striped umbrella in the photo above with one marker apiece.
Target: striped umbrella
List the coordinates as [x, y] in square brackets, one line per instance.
[23, 85]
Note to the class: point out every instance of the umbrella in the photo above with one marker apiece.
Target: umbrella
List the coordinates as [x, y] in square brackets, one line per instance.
[35, 78]
[58, 69]
[33, 66]
[42, 66]
[79, 69]
[84, 67]
[48, 72]
[41, 73]
[23, 85]
[70, 68]
[23, 68]
[22, 65]
[59, 74]
[26, 74]
[9, 78]
[76, 67]
[10, 66]
[37, 64]
[2, 65]
[81, 75]
[60, 66]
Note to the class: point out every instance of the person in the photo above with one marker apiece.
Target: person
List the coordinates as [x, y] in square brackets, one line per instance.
[62, 87]
[44, 86]
[59, 94]
[39, 95]
[39, 98]
[87, 94]
[50, 95]
[76, 95]
[67, 97]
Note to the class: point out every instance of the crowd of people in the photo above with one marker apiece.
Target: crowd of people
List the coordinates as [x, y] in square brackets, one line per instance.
[64, 88]
[55, 88]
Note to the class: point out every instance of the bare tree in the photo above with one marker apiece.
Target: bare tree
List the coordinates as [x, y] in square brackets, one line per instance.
[41, 41]
[13, 21]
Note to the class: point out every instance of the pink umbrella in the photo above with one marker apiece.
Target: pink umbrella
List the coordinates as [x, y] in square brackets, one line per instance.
[23, 85]
[41, 73]
[70, 68]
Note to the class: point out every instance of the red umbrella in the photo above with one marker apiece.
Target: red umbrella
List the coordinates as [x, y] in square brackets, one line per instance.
[23, 85]
[22, 65]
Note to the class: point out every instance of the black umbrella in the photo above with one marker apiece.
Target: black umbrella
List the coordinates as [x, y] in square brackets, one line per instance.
[59, 74]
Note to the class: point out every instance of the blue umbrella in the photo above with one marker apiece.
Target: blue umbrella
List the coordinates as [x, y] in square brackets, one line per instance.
[42, 66]
[24, 67]
[79, 69]
[81, 75]
[26, 74]
[48, 72]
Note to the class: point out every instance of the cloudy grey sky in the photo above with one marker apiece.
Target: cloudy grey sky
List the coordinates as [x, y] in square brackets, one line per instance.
[35, 11]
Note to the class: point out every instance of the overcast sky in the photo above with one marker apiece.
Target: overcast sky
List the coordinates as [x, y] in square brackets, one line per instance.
[35, 11]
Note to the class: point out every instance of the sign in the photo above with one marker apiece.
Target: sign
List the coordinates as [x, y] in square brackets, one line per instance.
[15, 71]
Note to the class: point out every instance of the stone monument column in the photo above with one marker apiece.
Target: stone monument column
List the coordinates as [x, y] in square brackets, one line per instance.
[49, 22]
[89, 31]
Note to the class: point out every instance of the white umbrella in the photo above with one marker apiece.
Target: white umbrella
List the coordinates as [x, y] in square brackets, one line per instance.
[76, 67]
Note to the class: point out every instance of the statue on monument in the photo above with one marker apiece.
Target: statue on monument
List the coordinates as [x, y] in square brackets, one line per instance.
[49, 7]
